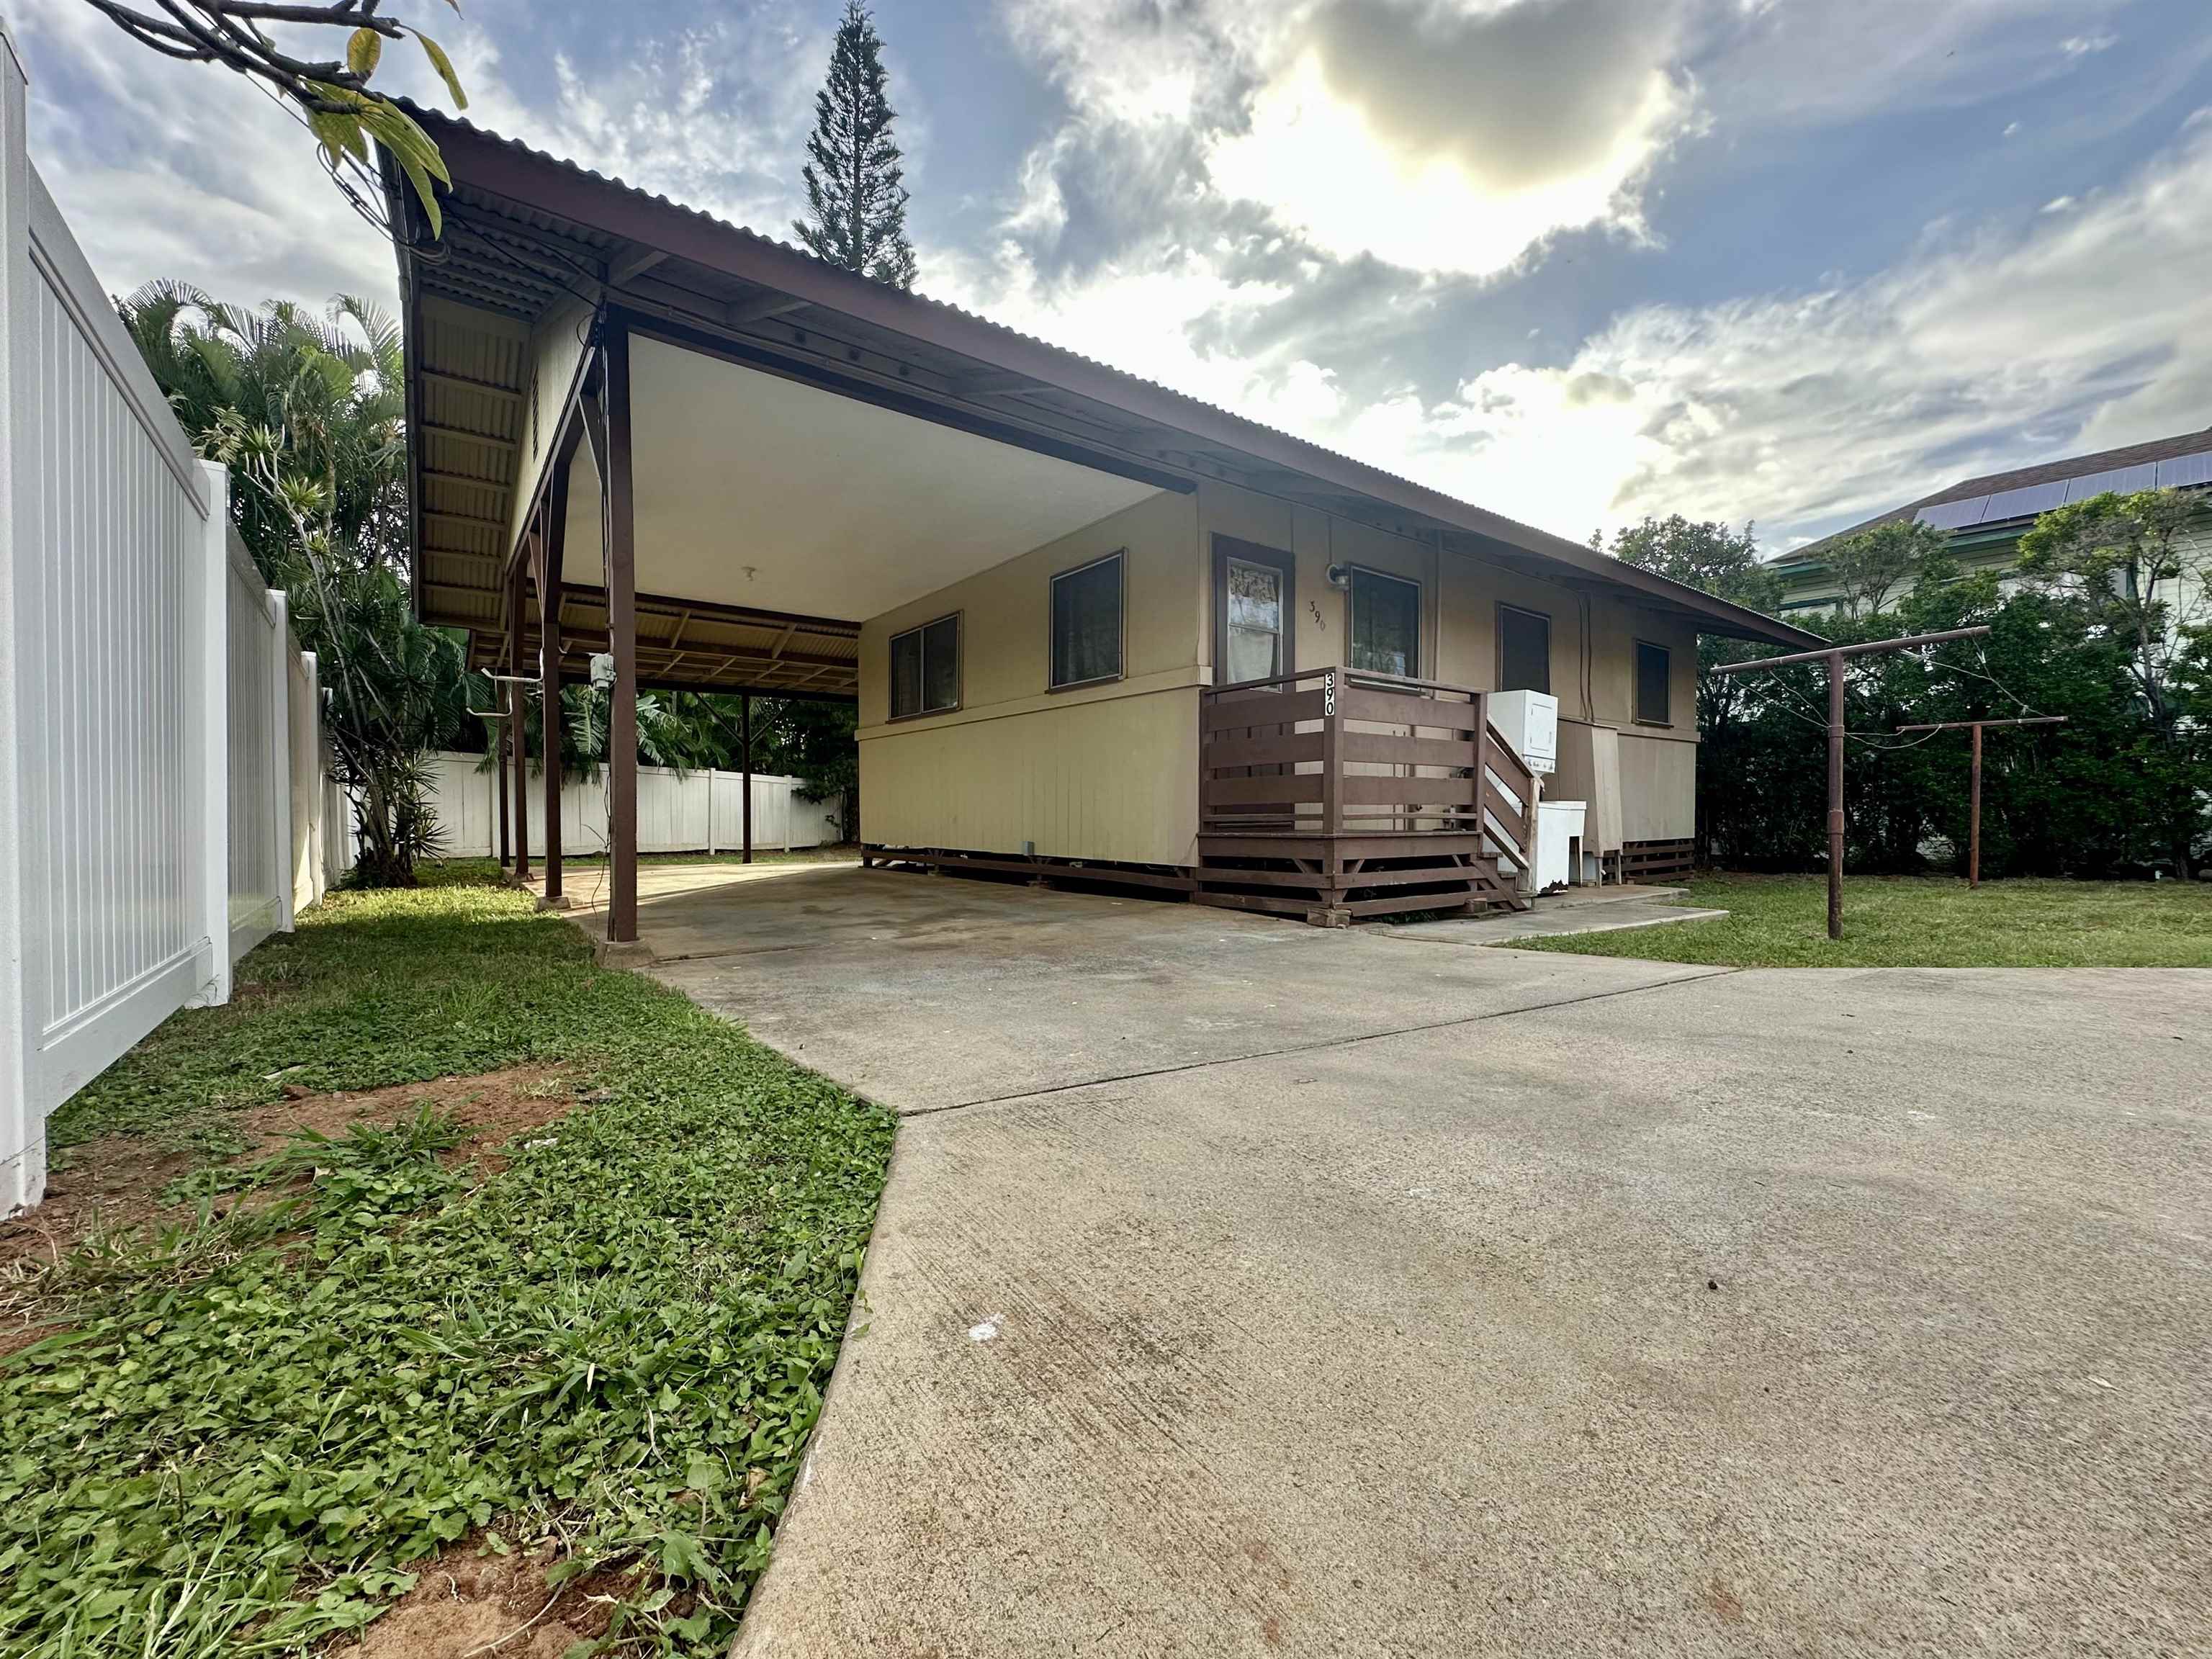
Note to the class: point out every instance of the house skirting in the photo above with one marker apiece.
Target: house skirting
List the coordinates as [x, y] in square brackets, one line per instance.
[1163, 881]
[1655, 860]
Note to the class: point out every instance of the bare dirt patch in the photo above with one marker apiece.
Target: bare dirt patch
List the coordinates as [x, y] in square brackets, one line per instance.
[470, 1601]
[116, 1182]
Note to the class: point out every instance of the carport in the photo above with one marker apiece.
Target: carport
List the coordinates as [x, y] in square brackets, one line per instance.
[638, 431]
[668, 443]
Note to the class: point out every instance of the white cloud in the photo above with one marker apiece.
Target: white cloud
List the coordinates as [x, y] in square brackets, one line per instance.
[1451, 137]
[713, 117]
[1436, 135]
[181, 170]
[1803, 62]
[1137, 319]
[2084, 45]
[170, 169]
[1804, 410]
[1801, 410]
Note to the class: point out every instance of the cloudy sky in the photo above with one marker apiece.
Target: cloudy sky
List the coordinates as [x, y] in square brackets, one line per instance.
[1792, 261]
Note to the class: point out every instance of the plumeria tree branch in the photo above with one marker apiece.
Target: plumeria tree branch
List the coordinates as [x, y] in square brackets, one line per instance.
[333, 96]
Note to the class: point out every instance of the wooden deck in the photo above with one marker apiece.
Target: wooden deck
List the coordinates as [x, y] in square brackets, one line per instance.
[1336, 795]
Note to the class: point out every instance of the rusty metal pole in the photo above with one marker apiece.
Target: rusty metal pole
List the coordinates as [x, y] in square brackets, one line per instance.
[518, 706]
[1833, 656]
[1974, 787]
[1835, 795]
[621, 626]
[506, 816]
[549, 690]
[1974, 795]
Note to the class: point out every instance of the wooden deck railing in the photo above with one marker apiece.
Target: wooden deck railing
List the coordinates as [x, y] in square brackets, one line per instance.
[1337, 752]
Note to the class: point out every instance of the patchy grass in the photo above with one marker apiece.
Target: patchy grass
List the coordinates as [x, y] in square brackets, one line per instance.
[360, 1351]
[1781, 922]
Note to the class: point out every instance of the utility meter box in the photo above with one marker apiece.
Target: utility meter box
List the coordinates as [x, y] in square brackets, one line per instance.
[1529, 721]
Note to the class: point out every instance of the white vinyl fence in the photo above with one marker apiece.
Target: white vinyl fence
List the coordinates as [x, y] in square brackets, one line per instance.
[148, 713]
[694, 813]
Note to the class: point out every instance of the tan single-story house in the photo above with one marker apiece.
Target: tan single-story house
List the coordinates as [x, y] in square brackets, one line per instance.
[1095, 629]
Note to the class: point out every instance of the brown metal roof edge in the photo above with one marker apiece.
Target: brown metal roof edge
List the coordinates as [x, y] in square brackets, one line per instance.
[396, 208]
[508, 168]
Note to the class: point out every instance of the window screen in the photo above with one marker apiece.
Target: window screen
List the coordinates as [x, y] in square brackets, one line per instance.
[1654, 669]
[1524, 650]
[926, 668]
[1086, 623]
[1386, 624]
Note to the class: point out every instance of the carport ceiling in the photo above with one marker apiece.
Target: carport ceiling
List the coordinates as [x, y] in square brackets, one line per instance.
[756, 490]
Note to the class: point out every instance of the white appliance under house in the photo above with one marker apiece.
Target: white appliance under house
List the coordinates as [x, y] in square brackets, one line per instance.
[1529, 721]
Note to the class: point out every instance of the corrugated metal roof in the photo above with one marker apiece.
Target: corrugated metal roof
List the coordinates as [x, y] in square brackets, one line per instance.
[926, 329]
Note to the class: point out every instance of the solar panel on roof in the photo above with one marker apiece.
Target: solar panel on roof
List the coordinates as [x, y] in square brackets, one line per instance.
[2024, 503]
[2181, 471]
[1954, 516]
[2123, 481]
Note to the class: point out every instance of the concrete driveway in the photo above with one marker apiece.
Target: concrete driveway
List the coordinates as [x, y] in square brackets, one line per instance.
[1242, 1288]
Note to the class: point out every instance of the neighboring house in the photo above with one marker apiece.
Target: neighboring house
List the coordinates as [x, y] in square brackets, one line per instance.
[1985, 518]
[1036, 574]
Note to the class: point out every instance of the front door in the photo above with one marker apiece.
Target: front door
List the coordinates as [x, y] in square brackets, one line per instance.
[1252, 620]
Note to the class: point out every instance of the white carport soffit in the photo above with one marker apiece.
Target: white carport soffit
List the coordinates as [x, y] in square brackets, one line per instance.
[754, 491]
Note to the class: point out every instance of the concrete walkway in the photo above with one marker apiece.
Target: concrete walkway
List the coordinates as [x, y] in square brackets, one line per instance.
[1242, 1288]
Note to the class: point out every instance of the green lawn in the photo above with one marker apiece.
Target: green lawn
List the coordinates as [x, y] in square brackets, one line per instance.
[1781, 922]
[254, 1424]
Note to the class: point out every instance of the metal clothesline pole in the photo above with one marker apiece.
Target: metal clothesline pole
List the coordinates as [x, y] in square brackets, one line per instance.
[1974, 784]
[1834, 656]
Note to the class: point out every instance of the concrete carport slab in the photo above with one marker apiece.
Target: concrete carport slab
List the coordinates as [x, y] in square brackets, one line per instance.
[925, 992]
[1598, 1311]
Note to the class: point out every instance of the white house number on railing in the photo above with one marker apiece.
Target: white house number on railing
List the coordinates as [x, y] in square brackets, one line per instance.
[1328, 694]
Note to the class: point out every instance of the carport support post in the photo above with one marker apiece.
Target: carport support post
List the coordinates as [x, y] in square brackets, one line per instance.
[621, 623]
[745, 761]
[518, 708]
[549, 549]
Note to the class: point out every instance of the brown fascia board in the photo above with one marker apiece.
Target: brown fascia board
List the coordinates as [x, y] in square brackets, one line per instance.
[502, 167]
[396, 209]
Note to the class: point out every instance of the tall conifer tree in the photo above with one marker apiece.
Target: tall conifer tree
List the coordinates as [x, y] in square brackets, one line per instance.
[854, 184]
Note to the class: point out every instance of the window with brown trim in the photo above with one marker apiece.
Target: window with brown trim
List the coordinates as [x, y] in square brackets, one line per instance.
[1086, 623]
[1655, 674]
[1386, 624]
[926, 669]
[1524, 650]
[1253, 591]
